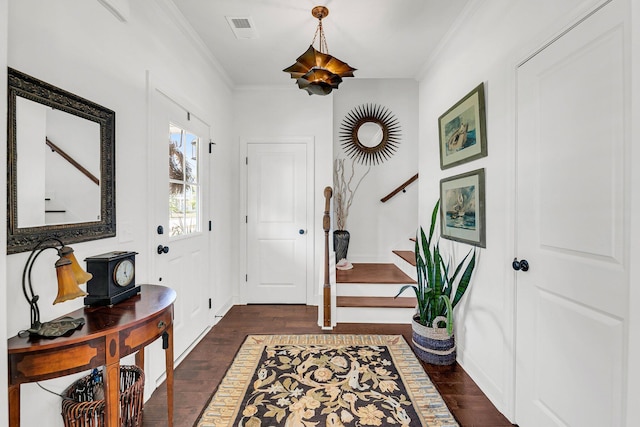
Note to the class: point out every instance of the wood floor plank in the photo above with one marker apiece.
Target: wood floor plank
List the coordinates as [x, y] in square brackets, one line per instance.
[197, 377]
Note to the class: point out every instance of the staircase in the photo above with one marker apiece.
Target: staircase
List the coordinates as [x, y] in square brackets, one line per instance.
[365, 294]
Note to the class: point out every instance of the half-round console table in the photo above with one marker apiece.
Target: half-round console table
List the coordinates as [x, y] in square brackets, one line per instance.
[109, 333]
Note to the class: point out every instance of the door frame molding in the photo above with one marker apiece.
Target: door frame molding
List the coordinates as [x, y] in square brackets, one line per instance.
[243, 260]
[516, 60]
[155, 86]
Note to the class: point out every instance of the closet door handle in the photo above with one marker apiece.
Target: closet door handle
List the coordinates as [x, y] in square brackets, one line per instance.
[520, 265]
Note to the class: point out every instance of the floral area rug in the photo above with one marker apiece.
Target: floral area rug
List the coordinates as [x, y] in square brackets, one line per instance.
[326, 381]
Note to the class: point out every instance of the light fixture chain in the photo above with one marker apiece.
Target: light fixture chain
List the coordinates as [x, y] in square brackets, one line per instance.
[322, 42]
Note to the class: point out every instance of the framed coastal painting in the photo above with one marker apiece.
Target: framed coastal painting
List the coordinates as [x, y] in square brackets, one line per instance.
[463, 135]
[462, 208]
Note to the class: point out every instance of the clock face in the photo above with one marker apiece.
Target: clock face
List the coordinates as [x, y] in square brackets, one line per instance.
[123, 273]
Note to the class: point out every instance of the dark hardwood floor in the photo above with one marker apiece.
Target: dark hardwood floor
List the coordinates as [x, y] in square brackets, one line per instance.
[202, 370]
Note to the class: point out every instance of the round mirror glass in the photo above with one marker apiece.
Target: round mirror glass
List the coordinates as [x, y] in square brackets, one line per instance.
[370, 134]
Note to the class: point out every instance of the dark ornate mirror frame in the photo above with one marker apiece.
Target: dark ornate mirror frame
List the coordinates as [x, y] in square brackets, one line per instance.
[369, 113]
[24, 239]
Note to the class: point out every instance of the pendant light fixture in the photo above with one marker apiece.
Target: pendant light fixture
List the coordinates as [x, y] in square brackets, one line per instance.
[316, 71]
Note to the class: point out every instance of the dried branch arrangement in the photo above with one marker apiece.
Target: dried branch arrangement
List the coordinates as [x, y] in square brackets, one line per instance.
[343, 191]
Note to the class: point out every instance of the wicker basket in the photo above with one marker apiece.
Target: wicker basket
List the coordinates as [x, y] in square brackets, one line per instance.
[433, 345]
[81, 409]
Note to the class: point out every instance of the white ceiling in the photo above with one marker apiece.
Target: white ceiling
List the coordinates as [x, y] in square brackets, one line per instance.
[381, 38]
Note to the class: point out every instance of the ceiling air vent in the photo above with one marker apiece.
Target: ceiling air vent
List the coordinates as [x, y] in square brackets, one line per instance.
[242, 27]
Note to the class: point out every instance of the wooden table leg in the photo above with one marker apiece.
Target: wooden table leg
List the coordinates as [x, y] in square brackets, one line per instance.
[140, 358]
[14, 405]
[111, 378]
[168, 354]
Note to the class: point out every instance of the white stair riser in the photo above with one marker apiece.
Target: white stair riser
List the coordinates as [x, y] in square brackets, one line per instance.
[370, 290]
[406, 268]
[374, 315]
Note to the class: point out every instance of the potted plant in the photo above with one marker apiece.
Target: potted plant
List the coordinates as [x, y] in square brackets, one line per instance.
[439, 288]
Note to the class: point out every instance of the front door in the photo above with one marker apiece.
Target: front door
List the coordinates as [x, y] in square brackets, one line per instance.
[277, 223]
[179, 204]
[572, 195]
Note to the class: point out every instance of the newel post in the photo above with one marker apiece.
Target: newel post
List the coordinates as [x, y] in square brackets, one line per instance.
[326, 289]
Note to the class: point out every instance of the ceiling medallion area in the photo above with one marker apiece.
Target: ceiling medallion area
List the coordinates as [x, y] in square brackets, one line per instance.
[370, 134]
[316, 71]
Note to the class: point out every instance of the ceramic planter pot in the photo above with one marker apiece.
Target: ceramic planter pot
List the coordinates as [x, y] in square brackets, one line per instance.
[433, 345]
[341, 244]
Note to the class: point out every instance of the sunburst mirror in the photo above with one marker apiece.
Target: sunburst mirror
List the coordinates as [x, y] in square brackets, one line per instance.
[370, 134]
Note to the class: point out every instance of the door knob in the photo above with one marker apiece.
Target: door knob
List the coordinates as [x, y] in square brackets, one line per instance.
[301, 231]
[520, 265]
[163, 249]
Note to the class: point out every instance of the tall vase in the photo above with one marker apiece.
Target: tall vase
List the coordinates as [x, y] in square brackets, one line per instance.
[341, 244]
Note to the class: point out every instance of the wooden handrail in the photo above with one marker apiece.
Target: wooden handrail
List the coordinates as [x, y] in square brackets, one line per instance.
[326, 289]
[71, 160]
[399, 189]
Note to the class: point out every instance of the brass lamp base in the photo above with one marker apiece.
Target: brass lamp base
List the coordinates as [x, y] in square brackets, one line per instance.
[53, 329]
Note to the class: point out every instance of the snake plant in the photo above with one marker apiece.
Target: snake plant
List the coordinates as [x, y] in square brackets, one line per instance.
[435, 285]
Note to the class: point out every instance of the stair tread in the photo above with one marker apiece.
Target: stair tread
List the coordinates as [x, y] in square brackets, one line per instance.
[373, 273]
[400, 302]
[409, 256]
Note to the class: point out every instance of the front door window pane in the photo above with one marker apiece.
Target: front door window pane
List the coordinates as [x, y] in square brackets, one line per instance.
[184, 202]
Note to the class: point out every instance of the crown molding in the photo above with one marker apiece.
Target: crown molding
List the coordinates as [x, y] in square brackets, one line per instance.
[183, 25]
[119, 8]
[468, 11]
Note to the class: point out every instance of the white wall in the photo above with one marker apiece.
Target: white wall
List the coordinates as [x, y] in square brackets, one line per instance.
[284, 113]
[4, 301]
[377, 228]
[81, 47]
[485, 46]
[290, 112]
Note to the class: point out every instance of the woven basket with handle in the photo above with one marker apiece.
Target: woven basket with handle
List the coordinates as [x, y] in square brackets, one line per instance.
[83, 403]
[434, 345]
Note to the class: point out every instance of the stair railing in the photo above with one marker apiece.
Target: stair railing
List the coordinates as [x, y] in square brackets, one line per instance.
[400, 188]
[71, 160]
[326, 288]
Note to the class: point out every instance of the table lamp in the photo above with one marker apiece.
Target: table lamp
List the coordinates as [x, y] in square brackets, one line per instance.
[69, 275]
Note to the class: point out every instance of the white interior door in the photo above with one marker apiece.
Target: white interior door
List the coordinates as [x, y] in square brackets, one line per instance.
[180, 172]
[572, 192]
[277, 228]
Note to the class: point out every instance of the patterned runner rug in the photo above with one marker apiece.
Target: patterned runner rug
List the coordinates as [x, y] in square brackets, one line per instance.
[326, 381]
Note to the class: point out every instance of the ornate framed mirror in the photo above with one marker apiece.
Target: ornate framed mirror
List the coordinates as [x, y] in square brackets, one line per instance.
[369, 134]
[61, 165]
